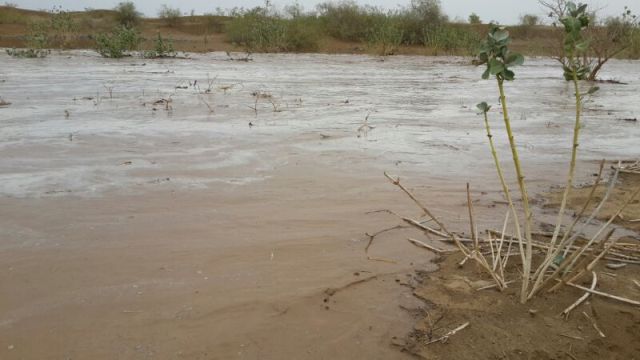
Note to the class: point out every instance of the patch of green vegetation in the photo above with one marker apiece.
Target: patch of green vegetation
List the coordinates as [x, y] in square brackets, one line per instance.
[450, 38]
[386, 38]
[261, 30]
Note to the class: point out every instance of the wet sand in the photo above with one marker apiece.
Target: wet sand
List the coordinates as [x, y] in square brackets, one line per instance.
[132, 231]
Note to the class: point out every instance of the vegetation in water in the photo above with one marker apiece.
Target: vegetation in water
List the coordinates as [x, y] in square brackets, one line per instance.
[118, 43]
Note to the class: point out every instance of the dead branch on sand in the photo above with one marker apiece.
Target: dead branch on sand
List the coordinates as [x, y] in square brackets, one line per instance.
[446, 336]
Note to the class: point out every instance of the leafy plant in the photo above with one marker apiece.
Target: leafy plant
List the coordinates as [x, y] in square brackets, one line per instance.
[117, 43]
[499, 60]
[575, 46]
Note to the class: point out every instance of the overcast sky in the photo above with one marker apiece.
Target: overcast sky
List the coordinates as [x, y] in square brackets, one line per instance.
[503, 11]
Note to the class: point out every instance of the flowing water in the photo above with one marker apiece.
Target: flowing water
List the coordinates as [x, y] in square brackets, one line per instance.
[156, 209]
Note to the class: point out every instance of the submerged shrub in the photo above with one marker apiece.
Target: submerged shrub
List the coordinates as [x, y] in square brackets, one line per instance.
[163, 48]
[28, 53]
[117, 43]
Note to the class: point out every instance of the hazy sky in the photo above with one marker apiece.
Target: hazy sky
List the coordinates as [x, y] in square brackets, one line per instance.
[503, 11]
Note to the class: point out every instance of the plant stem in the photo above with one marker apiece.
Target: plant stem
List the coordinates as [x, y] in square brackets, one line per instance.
[525, 198]
[551, 254]
[505, 187]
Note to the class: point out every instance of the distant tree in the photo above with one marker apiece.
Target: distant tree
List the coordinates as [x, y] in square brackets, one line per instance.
[474, 19]
[429, 11]
[607, 39]
[127, 15]
[170, 15]
[529, 20]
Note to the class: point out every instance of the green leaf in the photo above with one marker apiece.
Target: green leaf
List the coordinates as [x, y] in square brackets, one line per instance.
[514, 59]
[484, 107]
[593, 90]
[495, 66]
[582, 46]
[486, 73]
[509, 75]
[500, 35]
[581, 9]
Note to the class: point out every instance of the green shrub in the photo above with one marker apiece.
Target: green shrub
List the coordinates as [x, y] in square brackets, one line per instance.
[386, 37]
[163, 48]
[256, 31]
[118, 43]
[62, 27]
[127, 15]
[348, 21]
[303, 34]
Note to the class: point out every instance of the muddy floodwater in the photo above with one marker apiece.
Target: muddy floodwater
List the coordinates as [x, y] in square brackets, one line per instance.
[153, 209]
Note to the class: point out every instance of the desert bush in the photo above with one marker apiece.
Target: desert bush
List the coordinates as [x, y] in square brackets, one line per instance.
[171, 16]
[62, 28]
[529, 20]
[474, 19]
[163, 48]
[420, 15]
[303, 33]
[257, 31]
[605, 39]
[451, 38]
[127, 15]
[118, 43]
[260, 29]
[348, 21]
[386, 37]
[612, 37]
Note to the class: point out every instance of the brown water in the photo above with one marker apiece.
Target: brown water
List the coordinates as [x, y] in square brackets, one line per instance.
[132, 231]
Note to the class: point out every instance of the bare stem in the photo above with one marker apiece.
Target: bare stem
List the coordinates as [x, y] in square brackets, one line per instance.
[525, 197]
[505, 187]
